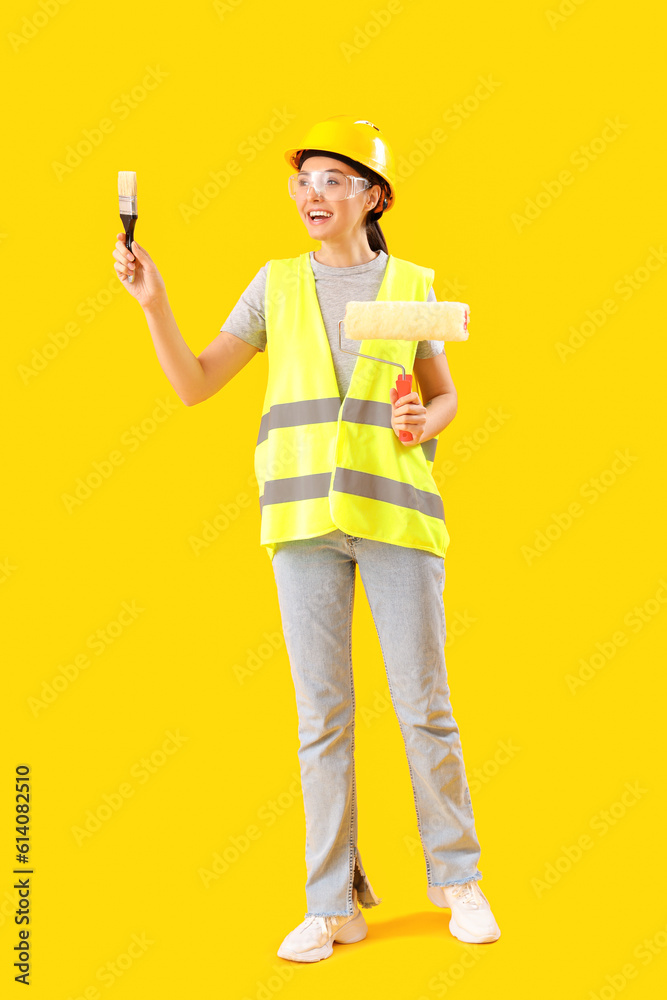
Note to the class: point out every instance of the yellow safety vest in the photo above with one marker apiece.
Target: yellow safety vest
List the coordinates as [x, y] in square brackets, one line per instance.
[323, 464]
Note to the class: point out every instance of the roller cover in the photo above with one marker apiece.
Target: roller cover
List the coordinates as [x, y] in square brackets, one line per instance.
[406, 320]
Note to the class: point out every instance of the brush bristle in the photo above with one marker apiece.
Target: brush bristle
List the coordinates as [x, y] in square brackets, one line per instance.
[395, 320]
[127, 183]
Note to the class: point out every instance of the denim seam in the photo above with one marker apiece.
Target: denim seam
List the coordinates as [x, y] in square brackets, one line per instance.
[459, 881]
[347, 913]
[353, 790]
[407, 756]
[478, 875]
[444, 629]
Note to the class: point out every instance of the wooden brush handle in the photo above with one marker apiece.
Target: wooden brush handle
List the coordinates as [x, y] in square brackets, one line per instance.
[403, 387]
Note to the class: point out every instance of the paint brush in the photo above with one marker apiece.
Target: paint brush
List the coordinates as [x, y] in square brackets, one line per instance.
[127, 205]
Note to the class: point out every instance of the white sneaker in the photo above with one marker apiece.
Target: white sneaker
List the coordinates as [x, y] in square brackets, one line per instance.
[472, 919]
[313, 939]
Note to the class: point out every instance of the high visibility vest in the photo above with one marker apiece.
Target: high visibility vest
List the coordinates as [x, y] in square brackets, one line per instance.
[323, 464]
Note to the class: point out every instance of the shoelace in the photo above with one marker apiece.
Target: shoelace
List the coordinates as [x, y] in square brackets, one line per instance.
[469, 894]
[323, 923]
[327, 923]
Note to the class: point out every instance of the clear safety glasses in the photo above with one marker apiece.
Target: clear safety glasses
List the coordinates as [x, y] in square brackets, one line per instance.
[333, 184]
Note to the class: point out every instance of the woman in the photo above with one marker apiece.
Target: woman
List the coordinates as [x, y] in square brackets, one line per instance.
[338, 489]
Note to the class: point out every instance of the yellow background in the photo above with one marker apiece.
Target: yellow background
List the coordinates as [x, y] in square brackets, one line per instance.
[520, 625]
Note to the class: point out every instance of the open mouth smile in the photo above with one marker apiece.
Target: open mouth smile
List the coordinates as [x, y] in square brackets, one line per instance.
[318, 216]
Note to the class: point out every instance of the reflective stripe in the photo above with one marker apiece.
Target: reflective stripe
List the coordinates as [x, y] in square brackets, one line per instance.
[429, 447]
[362, 484]
[367, 411]
[310, 487]
[304, 411]
[319, 411]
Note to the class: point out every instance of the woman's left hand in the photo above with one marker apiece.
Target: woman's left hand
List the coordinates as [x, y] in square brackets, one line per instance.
[410, 415]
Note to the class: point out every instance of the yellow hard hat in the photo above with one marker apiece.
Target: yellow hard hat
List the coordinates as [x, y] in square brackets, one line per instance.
[358, 139]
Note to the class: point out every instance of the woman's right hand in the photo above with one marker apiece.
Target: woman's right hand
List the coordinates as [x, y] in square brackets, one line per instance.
[148, 286]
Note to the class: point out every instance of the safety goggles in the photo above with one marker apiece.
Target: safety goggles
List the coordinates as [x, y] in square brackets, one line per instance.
[332, 184]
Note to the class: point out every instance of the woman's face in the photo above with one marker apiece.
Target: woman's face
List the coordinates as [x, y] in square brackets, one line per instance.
[347, 215]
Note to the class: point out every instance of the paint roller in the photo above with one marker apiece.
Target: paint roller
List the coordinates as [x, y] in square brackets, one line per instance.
[403, 321]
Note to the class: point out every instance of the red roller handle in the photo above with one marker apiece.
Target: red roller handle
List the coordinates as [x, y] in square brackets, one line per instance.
[403, 387]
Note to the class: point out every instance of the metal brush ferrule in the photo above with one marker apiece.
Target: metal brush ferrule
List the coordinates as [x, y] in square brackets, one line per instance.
[127, 204]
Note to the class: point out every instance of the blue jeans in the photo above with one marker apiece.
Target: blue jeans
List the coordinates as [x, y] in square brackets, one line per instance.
[315, 578]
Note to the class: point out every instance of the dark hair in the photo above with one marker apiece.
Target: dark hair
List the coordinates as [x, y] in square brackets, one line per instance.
[374, 234]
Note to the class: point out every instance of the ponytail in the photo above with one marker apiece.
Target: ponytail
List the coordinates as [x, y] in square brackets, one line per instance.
[374, 234]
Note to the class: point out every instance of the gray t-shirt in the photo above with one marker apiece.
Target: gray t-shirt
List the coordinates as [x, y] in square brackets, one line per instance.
[335, 287]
